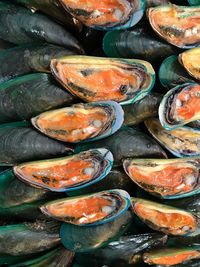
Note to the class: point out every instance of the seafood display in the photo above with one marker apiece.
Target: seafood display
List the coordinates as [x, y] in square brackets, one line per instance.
[100, 133]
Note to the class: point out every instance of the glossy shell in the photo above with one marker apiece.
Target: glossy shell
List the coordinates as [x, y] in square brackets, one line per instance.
[87, 238]
[19, 25]
[178, 25]
[166, 219]
[190, 60]
[126, 143]
[28, 58]
[106, 15]
[96, 79]
[180, 106]
[20, 143]
[81, 122]
[93, 209]
[165, 178]
[24, 97]
[181, 142]
[68, 173]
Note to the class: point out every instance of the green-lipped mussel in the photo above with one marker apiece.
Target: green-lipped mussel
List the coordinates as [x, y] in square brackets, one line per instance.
[20, 143]
[87, 238]
[164, 218]
[171, 73]
[180, 106]
[127, 250]
[92, 209]
[127, 143]
[96, 79]
[24, 97]
[174, 256]
[165, 178]
[190, 61]
[68, 173]
[28, 58]
[181, 142]
[25, 239]
[106, 15]
[178, 25]
[81, 122]
[19, 25]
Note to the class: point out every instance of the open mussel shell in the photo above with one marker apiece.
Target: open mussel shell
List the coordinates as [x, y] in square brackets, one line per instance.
[174, 256]
[93, 209]
[28, 58]
[81, 122]
[68, 173]
[190, 61]
[105, 15]
[127, 143]
[164, 218]
[25, 239]
[180, 106]
[165, 178]
[178, 25]
[127, 249]
[87, 238]
[171, 73]
[19, 25]
[181, 142]
[24, 97]
[97, 79]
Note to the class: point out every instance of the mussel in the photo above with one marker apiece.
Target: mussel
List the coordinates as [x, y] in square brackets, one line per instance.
[28, 58]
[180, 106]
[106, 15]
[127, 250]
[24, 97]
[81, 122]
[127, 143]
[183, 141]
[24, 239]
[165, 178]
[142, 109]
[97, 79]
[138, 42]
[87, 238]
[67, 173]
[174, 256]
[190, 61]
[171, 73]
[19, 25]
[178, 25]
[20, 143]
[164, 218]
[92, 209]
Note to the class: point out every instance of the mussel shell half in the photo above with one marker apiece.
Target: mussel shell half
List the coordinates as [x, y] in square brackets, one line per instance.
[190, 60]
[181, 142]
[81, 122]
[180, 106]
[178, 25]
[68, 173]
[165, 178]
[20, 143]
[106, 16]
[19, 25]
[163, 218]
[93, 209]
[171, 73]
[24, 97]
[171, 256]
[87, 238]
[96, 79]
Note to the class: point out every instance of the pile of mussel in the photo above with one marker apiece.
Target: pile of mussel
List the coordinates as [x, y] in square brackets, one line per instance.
[100, 133]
